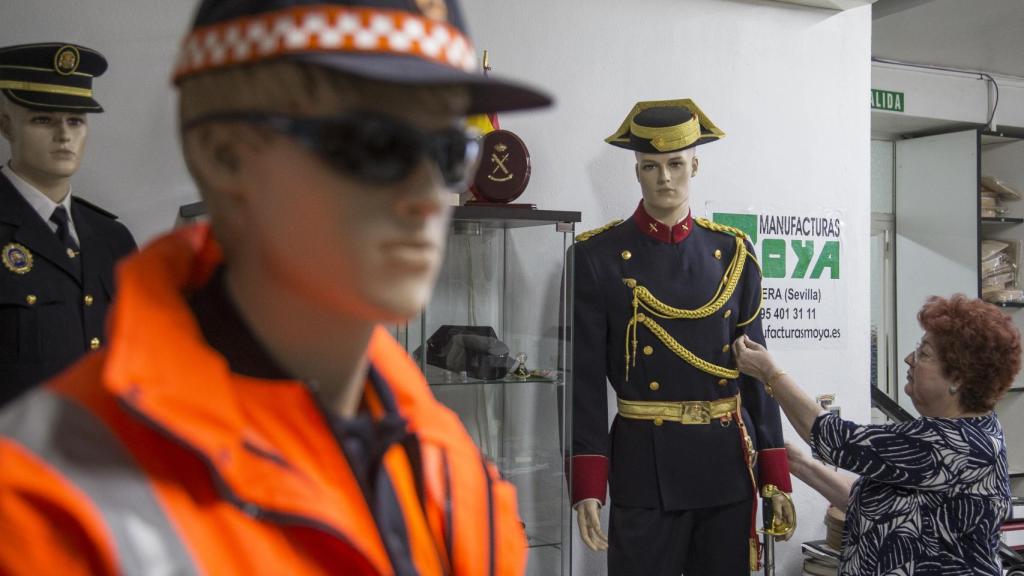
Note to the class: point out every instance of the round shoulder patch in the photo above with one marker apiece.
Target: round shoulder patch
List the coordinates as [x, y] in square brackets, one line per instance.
[17, 258]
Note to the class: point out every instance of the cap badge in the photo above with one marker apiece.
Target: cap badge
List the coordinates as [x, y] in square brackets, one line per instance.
[17, 258]
[66, 61]
[434, 9]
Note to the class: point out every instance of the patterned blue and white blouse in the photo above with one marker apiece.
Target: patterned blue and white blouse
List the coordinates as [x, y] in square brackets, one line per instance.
[931, 495]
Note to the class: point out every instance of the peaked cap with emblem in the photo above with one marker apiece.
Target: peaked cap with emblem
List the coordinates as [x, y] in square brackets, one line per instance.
[662, 126]
[51, 76]
[413, 42]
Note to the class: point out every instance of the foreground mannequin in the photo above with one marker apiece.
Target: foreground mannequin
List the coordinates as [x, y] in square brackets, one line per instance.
[692, 438]
[250, 415]
[58, 250]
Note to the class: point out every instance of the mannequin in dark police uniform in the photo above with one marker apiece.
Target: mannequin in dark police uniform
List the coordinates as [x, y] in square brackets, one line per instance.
[58, 251]
[658, 300]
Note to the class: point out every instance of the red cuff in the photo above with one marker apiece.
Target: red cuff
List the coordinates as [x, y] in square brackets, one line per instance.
[590, 477]
[773, 468]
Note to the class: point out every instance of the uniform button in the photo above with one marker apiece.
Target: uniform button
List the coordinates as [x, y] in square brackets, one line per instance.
[641, 317]
[626, 254]
[723, 382]
[648, 350]
[658, 421]
[725, 348]
[94, 344]
[31, 299]
[654, 385]
[88, 300]
[629, 282]
[718, 254]
[728, 313]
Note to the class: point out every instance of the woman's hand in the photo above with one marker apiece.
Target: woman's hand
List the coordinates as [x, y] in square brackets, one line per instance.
[753, 359]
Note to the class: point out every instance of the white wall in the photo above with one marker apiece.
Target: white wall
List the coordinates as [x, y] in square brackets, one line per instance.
[788, 85]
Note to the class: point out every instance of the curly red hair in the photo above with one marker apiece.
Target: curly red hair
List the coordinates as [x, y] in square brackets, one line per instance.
[977, 344]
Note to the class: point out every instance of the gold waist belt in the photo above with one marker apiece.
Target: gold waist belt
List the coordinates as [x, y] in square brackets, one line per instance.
[690, 412]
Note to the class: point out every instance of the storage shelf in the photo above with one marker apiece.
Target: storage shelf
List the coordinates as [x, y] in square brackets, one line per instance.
[997, 220]
[1016, 474]
[456, 381]
[490, 216]
[1009, 304]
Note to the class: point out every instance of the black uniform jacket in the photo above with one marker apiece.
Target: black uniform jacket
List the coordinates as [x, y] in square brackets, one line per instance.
[671, 466]
[49, 316]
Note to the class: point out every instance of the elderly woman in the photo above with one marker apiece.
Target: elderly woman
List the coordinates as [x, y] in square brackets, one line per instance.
[933, 491]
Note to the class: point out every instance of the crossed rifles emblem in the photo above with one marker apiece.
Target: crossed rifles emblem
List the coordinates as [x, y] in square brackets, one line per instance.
[499, 165]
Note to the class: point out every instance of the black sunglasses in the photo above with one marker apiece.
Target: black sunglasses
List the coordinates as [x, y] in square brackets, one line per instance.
[371, 147]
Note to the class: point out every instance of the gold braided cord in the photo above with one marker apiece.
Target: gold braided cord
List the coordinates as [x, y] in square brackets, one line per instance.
[760, 303]
[677, 348]
[643, 297]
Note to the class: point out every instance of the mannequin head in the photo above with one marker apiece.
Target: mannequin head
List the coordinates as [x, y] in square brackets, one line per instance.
[287, 216]
[46, 146]
[665, 182]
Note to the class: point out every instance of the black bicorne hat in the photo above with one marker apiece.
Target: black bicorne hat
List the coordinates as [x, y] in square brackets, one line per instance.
[662, 126]
[415, 42]
[51, 76]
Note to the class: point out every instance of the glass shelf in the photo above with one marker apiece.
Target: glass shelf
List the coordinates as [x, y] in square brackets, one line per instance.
[996, 220]
[503, 294]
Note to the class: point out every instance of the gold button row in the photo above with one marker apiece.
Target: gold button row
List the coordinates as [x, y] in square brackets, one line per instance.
[31, 299]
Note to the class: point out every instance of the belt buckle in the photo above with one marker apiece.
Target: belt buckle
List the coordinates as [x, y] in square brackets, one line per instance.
[696, 413]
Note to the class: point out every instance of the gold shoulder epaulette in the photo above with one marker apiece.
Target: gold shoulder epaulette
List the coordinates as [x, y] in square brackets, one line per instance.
[591, 233]
[704, 222]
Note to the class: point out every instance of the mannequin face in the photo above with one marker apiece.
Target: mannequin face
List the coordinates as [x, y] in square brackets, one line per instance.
[927, 385]
[665, 180]
[45, 146]
[342, 245]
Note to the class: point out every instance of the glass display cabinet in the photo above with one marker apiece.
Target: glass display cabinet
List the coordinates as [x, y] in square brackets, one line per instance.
[492, 343]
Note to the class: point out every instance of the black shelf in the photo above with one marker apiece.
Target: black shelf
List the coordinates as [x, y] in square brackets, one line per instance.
[1002, 220]
[492, 216]
[1009, 304]
[1016, 474]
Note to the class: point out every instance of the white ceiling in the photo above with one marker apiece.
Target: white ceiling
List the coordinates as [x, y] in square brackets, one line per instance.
[986, 35]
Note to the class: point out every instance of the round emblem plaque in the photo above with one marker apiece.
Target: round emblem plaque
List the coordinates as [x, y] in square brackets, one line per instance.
[504, 168]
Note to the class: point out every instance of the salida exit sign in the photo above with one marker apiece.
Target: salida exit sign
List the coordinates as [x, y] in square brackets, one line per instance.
[886, 100]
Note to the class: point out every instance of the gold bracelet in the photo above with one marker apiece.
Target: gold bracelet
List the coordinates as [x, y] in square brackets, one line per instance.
[769, 384]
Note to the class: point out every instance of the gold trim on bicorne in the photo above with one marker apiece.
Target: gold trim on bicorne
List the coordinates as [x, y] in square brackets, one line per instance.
[684, 412]
[708, 127]
[667, 138]
[324, 28]
[47, 88]
[17, 258]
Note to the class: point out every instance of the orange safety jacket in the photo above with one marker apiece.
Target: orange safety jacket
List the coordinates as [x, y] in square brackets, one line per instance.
[152, 457]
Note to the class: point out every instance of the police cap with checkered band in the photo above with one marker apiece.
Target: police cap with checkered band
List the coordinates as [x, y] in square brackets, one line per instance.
[51, 76]
[415, 42]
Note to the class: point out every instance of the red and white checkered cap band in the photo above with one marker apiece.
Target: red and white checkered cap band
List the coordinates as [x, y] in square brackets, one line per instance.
[323, 29]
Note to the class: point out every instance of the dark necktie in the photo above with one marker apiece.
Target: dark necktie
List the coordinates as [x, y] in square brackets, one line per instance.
[60, 218]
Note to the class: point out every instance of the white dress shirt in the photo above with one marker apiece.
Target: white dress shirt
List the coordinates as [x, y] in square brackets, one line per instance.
[40, 202]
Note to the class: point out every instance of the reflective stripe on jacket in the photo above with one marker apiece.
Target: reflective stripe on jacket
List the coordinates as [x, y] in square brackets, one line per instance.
[150, 457]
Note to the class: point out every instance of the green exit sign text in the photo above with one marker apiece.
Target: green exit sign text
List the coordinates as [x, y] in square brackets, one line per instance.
[886, 100]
